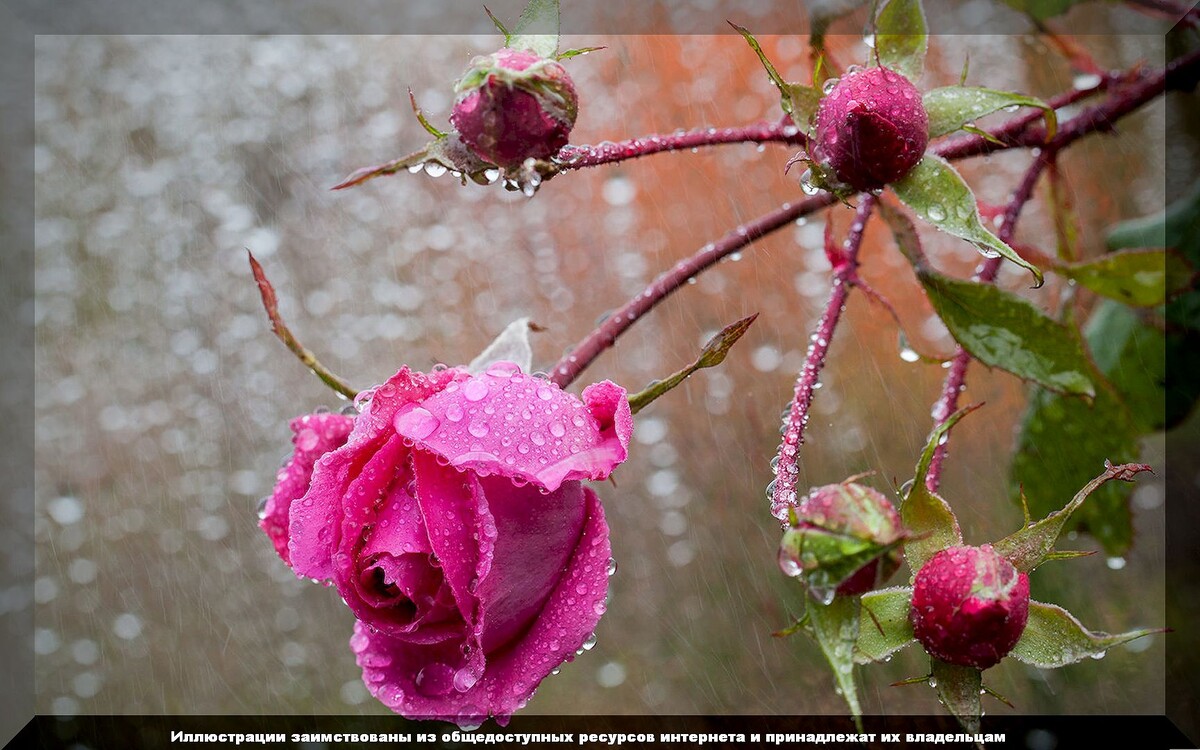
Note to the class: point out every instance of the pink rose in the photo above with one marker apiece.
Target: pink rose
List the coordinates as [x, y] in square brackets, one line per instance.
[454, 524]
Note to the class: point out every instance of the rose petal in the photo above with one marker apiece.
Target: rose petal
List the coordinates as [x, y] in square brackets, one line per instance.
[313, 435]
[535, 534]
[313, 529]
[505, 422]
[417, 681]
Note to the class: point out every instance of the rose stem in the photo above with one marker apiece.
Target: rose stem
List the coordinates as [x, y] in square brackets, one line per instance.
[601, 338]
[1179, 74]
[271, 304]
[783, 488]
[578, 157]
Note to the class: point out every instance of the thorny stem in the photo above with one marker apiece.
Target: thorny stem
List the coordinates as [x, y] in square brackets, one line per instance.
[600, 339]
[578, 157]
[1179, 74]
[955, 381]
[782, 490]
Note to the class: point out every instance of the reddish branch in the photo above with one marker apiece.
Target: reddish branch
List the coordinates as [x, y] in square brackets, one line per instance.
[1127, 92]
[578, 157]
[782, 490]
[582, 354]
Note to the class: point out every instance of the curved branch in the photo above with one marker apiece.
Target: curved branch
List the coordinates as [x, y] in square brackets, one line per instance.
[581, 355]
[578, 157]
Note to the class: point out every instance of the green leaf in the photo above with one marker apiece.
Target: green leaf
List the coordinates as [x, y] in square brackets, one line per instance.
[1143, 278]
[537, 29]
[959, 688]
[931, 524]
[1029, 547]
[883, 624]
[835, 628]
[940, 196]
[1062, 442]
[1054, 638]
[1178, 227]
[900, 38]
[1002, 330]
[952, 107]
[1133, 354]
[1040, 10]
[713, 354]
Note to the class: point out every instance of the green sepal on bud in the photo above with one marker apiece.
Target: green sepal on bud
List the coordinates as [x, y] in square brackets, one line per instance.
[842, 539]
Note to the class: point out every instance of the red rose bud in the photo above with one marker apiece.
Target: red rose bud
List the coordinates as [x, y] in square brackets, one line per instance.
[871, 129]
[844, 540]
[969, 606]
[513, 106]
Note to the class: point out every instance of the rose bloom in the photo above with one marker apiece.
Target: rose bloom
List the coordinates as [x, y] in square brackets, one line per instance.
[451, 517]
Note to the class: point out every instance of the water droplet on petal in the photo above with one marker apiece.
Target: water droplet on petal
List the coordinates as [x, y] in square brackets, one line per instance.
[475, 390]
[416, 423]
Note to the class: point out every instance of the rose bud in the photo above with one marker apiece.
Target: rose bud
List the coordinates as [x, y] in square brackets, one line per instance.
[454, 523]
[969, 606]
[514, 105]
[844, 540]
[871, 129]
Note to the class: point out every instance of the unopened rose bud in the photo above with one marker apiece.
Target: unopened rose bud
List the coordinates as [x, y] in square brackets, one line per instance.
[514, 105]
[969, 606]
[871, 129]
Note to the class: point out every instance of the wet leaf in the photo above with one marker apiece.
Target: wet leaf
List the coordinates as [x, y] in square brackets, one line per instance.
[1062, 442]
[713, 354]
[1133, 354]
[901, 39]
[959, 688]
[1143, 278]
[952, 107]
[1030, 546]
[537, 29]
[1178, 227]
[940, 196]
[883, 624]
[1054, 638]
[1002, 330]
[834, 626]
[927, 517]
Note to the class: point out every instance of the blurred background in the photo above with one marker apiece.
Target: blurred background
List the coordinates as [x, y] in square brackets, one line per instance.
[162, 397]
